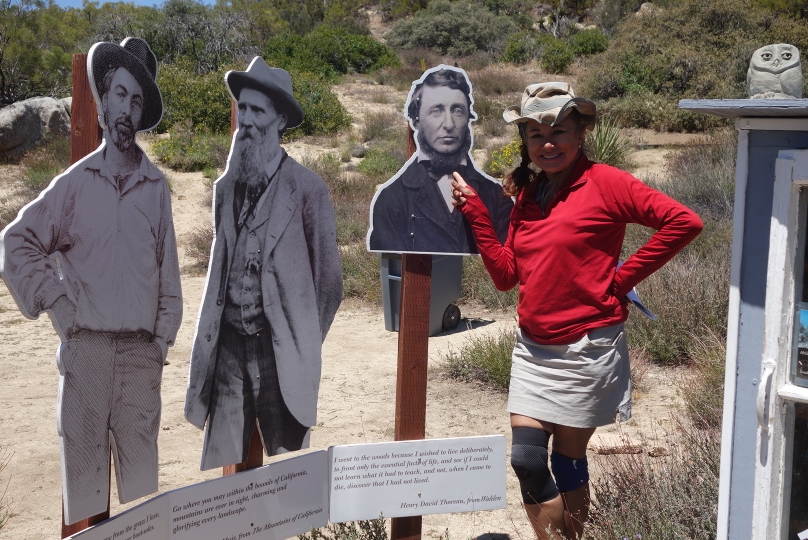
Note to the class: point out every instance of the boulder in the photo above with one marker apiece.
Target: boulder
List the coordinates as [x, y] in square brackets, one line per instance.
[25, 124]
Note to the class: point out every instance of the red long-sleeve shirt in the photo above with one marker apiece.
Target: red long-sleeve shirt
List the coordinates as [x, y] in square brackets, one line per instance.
[564, 259]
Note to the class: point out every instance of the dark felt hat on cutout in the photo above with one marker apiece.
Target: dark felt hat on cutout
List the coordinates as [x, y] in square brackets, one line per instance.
[134, 55]
[274, 82]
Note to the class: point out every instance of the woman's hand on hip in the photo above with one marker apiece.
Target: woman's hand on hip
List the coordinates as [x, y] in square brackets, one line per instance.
[460, 191]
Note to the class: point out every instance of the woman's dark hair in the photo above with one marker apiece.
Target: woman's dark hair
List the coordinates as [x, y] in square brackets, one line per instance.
[523, 175]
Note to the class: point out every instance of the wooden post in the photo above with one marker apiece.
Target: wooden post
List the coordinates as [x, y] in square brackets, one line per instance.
[85, 131]
[255, 456]
[413, 352]
[85, 137]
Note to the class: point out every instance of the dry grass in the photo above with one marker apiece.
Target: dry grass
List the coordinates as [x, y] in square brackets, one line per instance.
[383, 126]
[500, 80]
[200, 241]
[5, 501]
[669, 495]
[485, 359]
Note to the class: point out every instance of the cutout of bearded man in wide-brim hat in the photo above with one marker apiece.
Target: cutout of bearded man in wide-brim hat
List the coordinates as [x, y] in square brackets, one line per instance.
[274, 284]
[97, 252]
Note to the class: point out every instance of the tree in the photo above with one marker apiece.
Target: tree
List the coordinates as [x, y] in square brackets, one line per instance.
[37, 40]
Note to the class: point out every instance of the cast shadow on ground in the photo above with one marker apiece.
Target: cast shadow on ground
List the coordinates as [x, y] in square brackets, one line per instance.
[465, 325]
[493, 536]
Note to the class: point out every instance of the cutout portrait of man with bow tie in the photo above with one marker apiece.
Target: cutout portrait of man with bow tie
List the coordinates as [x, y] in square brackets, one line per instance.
[413, 211]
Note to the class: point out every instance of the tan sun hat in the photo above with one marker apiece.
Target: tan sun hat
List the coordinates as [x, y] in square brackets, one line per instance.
[549, 103]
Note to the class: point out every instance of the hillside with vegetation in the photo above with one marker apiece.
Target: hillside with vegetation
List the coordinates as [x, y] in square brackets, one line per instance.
[352, 62]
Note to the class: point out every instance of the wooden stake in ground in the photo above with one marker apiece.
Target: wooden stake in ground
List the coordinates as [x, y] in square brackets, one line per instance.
[413, 352]
[255, 455]
[85, 137]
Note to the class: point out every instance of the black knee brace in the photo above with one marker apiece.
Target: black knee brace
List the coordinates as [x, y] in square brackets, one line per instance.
[570, 474]
[529, 462]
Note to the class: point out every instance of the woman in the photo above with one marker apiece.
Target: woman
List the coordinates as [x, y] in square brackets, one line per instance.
[570, 371]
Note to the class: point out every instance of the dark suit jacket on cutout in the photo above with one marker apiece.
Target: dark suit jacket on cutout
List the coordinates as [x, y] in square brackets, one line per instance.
[301, 284]
[410, 214]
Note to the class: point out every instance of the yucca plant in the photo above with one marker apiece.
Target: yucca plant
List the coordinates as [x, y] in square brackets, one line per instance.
[607, 144]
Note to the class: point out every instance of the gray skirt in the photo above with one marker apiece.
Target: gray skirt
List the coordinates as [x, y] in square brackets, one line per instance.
[584, 384]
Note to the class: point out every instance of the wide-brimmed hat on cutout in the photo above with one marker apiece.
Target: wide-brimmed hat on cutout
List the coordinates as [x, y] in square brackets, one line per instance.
[137, 58]
[549, 103]
[274, 82]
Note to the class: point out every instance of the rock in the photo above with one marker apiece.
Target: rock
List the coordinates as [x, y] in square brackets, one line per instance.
[68, 104]
[658, 451]
[647, 8]
[25, 124]
[358, 151]
[622, 449]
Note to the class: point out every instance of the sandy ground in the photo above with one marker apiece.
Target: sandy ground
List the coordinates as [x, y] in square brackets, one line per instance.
[356, 397]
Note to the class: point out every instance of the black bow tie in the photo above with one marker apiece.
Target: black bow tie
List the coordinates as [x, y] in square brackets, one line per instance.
[436, 172]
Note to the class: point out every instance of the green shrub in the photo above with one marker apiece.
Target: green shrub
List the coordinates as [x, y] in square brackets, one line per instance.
[485, 358]
[187, 149]
[201, 99]
[588, 42]
[606, 144]
[291, 52]
[662, 497]
[657, 112]
[520, 48]
[350, 53]
[698, 49]
[327, 51]
[373, 529]
[382, 162]
[210, 174]
[44, 163]
[324, 114]
[504, 159]
[556, 56]
[478, 287]
[396, 9]
[459, 28]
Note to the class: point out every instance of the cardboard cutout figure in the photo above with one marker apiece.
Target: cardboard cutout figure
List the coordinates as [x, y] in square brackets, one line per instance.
[274, 284]
[96, 250]
[413, 212]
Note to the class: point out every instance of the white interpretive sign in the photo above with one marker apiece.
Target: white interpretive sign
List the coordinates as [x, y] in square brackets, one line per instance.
[273, 502]
[413, 478]
[147, 521]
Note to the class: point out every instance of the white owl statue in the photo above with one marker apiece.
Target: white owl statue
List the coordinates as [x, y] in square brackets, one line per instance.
[775, 72]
